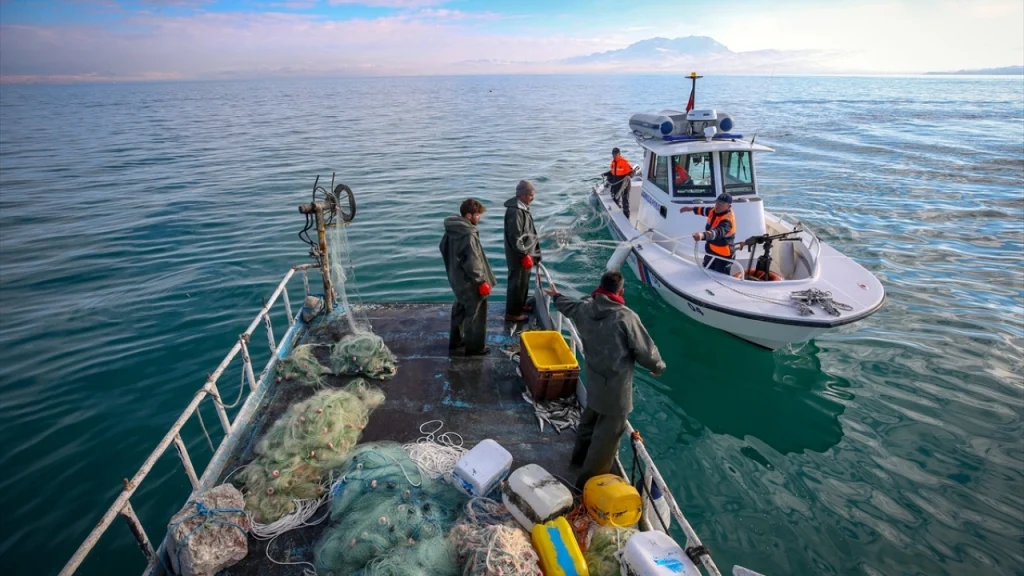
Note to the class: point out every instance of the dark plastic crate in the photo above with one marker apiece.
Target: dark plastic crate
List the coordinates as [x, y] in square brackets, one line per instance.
[548, 384]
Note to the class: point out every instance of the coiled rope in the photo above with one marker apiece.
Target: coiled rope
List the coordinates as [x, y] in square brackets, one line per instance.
[435, 453]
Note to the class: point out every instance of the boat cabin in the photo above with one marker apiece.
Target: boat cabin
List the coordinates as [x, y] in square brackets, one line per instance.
[677, 174]
[690, 158]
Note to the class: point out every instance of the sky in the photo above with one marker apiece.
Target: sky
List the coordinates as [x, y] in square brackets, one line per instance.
[195, 39]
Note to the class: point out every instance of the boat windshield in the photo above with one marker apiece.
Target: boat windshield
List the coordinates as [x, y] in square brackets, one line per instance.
[694, 175]
[737, 172]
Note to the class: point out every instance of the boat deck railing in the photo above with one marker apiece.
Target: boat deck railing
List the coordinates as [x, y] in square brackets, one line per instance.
[122, 505]
[651, 476]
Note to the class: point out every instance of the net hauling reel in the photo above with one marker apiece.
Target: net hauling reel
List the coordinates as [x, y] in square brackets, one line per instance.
[339, 202]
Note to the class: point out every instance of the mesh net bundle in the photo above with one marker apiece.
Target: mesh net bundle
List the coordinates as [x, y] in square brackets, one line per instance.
[363, 353]
[600, 554]
[388, 518]
[302, 366]
[311, 438]
[489, 542]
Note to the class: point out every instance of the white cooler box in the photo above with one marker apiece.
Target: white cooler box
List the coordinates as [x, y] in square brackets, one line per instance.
[534, 496]
[480, 470]
[655, 553]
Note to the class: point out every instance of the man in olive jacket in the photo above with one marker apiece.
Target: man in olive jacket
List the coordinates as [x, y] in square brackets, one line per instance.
[470, 277]
[613, 340]
[522, 250]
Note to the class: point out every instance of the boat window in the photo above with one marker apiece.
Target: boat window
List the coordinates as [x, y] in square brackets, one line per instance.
[694, 175]
[659, 174]
[737, 172]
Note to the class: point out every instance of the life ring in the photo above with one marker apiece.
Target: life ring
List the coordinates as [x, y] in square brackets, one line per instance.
[756, 275]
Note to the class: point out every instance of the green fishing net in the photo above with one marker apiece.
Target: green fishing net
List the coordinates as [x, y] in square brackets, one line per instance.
[301, 365]
[388, 518]
[311, 438]
[363, 353]
[600, 554]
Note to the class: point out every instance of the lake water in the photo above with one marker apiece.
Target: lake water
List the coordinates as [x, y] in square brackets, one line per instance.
[140, 225]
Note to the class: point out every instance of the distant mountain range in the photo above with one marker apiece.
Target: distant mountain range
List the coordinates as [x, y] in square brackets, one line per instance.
[656, 49]
[1004, 71]
[684, 54]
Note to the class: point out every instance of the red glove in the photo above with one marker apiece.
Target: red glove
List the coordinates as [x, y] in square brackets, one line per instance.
[484, 289]
[527, 262]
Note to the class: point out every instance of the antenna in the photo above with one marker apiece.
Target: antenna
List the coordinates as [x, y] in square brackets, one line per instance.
[760, 113]
[693, 91]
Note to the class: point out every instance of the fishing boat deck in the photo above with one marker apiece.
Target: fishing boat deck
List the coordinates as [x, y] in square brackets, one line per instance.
[477, 397]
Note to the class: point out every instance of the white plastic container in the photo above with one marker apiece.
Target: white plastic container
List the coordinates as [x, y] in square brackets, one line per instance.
[481, 469]
[534, 496]
[655, 553]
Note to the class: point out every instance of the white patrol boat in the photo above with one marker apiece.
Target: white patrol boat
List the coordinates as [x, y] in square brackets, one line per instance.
[783, 285]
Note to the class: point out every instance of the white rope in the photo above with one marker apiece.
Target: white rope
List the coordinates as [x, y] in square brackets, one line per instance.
[436, 454]
[299, 518]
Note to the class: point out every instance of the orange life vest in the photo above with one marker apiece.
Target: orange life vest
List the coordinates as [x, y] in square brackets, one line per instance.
[621, 167]
[681, 174]
[719, 246]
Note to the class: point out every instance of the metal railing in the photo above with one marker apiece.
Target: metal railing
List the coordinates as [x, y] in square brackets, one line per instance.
[651, 475]
[122, 504]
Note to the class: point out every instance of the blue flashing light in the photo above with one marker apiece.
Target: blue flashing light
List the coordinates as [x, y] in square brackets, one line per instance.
[666, 128]
[725, 125]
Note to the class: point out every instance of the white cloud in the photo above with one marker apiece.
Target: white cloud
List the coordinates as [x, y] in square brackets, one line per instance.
[892, 36]
[216, 43]
[885, 36]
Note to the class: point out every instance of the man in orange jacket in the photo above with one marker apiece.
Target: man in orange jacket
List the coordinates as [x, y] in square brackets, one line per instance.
[719, 232]
[619, 178]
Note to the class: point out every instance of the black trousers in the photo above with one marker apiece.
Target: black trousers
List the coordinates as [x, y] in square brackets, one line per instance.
[469, 326]
[597, 444]
[717, 265]
[620, 186]
[518, 289]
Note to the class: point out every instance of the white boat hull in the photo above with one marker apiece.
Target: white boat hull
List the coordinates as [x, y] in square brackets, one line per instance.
[722, 302]
[765, 334]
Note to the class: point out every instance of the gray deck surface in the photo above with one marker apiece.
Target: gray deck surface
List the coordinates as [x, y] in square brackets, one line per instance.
[477, 397]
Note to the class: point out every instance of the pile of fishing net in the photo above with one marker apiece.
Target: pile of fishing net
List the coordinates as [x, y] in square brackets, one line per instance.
[363, 353]
[489, 542]
[310, 439]
[388, 518]
[601, 553]
[301, 365]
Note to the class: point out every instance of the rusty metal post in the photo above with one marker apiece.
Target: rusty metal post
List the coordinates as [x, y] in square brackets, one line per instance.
[317, 210]
[138, 531]
[186, 462]
[325, 265]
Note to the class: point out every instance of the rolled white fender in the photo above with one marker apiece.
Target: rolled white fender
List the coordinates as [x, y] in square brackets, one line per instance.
[619, 257]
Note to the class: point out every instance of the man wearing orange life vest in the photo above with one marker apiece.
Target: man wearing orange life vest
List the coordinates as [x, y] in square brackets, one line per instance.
[618, 179]
[720, 230]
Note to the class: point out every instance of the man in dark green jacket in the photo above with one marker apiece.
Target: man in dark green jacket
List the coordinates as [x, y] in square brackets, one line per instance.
[522, 250]
[470, 277]
[614, 340]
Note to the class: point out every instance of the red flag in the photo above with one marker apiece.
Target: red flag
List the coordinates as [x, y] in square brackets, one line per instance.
[689, 104]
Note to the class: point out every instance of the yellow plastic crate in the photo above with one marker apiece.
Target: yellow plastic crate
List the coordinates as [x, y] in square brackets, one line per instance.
[548, 365]
[558, 550]
[612, 501]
